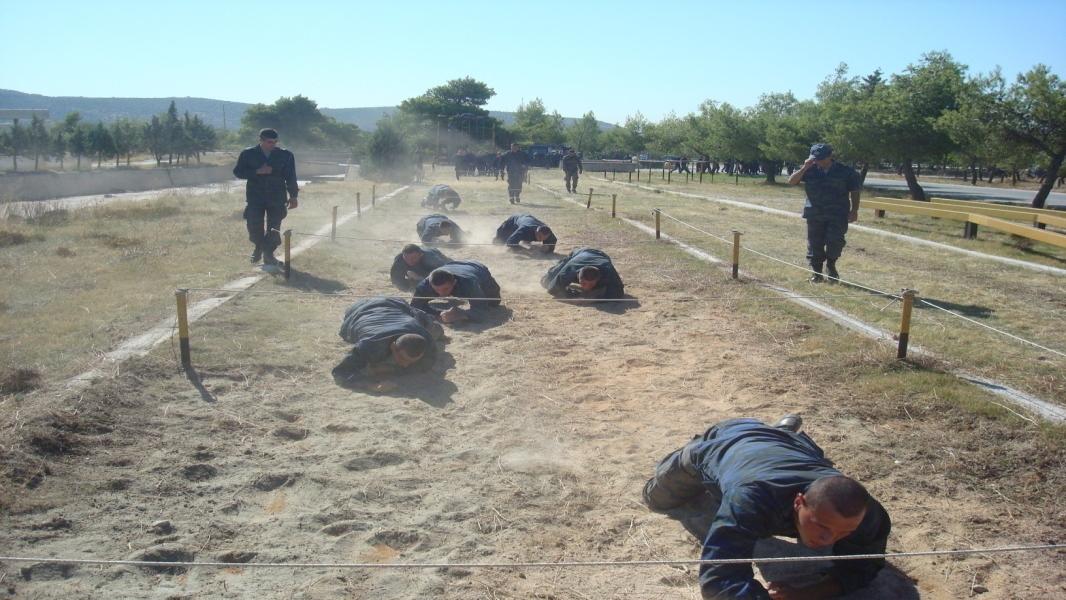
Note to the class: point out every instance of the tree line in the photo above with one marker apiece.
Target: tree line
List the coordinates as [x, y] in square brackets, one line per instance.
[933, 113]
[165, 136]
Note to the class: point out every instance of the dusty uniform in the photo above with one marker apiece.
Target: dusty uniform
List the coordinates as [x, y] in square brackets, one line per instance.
[429, 228]
[372, 324]
[440, 196]
[523, 228]
[431, 259]
[558, 278]
[266, 195]
[472, 280]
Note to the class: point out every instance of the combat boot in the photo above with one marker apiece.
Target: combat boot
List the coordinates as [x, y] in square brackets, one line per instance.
[257, 254]
[831, 268]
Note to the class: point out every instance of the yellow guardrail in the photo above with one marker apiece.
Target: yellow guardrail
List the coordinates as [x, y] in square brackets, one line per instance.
[972, 219]
[999, 206]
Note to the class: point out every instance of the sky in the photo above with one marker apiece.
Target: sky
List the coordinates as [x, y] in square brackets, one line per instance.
[614, 58]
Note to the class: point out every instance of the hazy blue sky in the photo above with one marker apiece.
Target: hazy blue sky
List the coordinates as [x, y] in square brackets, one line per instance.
[615, 58]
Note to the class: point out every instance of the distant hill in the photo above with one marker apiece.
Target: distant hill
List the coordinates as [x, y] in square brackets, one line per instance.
[218, 113]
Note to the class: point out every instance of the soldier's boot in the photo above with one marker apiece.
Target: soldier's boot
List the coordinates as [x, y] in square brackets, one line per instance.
[791, 422]
[257, 254]
[831, 271]
[269, 259]
[817, 277]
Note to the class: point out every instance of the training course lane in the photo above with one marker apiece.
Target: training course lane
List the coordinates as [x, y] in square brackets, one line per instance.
[968, 192]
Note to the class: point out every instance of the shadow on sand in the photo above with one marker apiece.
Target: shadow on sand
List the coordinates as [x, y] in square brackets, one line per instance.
[302, 280]
[430, 387]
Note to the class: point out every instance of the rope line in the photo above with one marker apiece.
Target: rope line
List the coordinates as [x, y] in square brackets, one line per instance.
[986, 326]
[510, 298]
[436, 243]
[538, 564]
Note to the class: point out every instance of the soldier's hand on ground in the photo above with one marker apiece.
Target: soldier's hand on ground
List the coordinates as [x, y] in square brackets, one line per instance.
[265, 170]
[293, 203]
[451, 315]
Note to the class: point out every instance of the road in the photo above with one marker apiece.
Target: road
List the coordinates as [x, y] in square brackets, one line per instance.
[969, 192]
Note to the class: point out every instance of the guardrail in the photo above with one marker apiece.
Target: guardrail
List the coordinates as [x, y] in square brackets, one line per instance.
[971, 219]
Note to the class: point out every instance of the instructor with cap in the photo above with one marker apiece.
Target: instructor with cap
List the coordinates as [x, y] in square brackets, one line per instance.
[271, 173]
[833, 191]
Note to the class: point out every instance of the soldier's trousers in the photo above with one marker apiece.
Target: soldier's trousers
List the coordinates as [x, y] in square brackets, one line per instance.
[571, 180]
[266, 236]
[825, 239]
[514, 186]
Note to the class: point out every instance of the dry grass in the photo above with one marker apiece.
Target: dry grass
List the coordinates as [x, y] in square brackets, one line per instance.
[1028, 304]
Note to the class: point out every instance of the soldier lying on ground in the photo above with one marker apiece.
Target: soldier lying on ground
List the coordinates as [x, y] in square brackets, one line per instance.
[431, 227]
[440, 196]
[390, 337]
[585, 273]
[413, 263]
[459, 279]
[525, 228]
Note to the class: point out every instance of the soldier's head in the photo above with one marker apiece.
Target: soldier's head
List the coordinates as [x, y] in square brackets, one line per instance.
[268, 138]
[412, 253]
[542, 233]
[442, 282]
[588, 277]
[831, 509]
[408, 349]
[445, 226]
[822, 154]
[571, 151]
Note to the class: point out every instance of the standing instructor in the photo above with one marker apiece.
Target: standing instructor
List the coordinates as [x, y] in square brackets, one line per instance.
[833, 191]
[271, 190]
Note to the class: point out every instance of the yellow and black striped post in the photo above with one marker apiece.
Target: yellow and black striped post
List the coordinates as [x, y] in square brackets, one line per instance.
[288, 253]
[658, 229]
[614, 204]
[736, 254]
[905, 323]
[333, 228]
[589, 203]
[182, 297]
[373, 195]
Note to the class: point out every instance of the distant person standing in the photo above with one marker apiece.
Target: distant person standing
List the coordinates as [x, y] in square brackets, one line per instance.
[571, 164]
[516, 163]
[271, 175]
[833, 191]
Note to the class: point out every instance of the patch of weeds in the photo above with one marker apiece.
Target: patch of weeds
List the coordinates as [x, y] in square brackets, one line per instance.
[14, 238]
[19, 380]
[65, 252]
[143, 212]
[116, 241]
[50, 218]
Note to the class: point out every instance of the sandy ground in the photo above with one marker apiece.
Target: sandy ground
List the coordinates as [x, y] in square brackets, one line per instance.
[528, 442]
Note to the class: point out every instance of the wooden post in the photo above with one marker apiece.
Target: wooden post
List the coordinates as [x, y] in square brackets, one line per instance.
[668, 176]
[631, 176]
[288, 253]
[880, 214]
[182, 297]
[614, 175]
[605, 173]
[358, 205]
[736, 254]
[333, 229]
[589, 204]
[658, 229]
[614, 203]
[373, 195]
[969, 230]
[701, 176]
[905, 323]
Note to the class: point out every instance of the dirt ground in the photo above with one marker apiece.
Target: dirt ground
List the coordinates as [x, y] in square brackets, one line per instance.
[529, 441]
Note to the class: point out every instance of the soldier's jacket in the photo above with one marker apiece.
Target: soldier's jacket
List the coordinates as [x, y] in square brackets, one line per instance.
[564, 273]
[571, 163]
[472, 280]
[373, 324]
[515, 163]
[440, 195]
[428, 228]
[828, 192]
[431, 259]
[523, 228]
[272, 188]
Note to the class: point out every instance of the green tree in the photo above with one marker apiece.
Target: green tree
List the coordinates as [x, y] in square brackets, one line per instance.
[154, 139]
[1032, 112]
[388, 153]
[173, 133]
[126, 138]
[909, 109]
[846, 117]
[299, 122]
[456, 97]
[533, 124]
[60, 142]
[38, 140]
[17, 140]
[101, 143]
[584, 135]
[79, 141]
[628, 139]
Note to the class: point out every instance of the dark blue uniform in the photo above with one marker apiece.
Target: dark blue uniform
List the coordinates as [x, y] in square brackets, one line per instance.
[428, 228]
[571, 165]
[472, 280]
[431, 259]
[826, 210]
[374, 323]
[266, 195]
[755, 471]
[564, 272]
[516, 163]
[440, 196]
[523, 228]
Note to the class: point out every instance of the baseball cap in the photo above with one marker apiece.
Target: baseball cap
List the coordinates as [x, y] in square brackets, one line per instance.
[821, 151]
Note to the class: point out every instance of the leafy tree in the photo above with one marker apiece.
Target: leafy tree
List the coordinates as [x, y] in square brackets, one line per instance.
[785, 128]
[1032, 112]
[101, 144]
[909, 109]
[38, 140]
[17, 139]
[59, 142]
[154, 138]
[533, 124]
[173, 133]
[388, 152]
[584, 135]
[126, 137]
[668, 136]
[628, 139]
[299, 122]
[79, 141]
[456, 97]
[846, 117]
